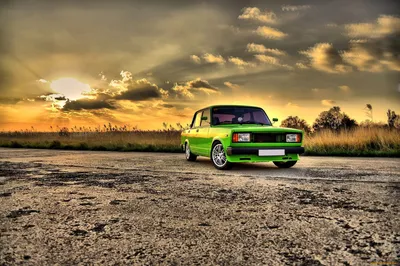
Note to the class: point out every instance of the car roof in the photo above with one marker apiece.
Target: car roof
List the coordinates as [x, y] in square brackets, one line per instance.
[228, 105]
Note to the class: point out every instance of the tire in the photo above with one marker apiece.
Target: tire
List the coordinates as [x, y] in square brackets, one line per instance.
[287, 164]
[188, 154]
[218, 157]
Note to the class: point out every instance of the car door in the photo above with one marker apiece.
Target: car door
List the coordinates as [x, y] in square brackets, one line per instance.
[202, 133]
[194, 129]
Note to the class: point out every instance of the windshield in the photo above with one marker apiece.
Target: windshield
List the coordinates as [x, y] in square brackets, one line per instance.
[239, 115]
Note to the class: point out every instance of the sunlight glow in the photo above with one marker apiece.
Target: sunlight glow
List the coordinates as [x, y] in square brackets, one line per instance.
[70, 88]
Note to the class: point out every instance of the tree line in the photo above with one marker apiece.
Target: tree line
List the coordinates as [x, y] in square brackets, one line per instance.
[336, 120]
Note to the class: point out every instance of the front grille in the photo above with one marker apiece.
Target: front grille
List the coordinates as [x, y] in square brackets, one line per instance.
[269, 137]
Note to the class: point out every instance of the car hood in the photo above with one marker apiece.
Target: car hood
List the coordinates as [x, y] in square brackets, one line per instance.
[258, 128]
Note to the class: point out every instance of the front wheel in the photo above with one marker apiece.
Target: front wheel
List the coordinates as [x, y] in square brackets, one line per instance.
[287, 164]
[218, 157]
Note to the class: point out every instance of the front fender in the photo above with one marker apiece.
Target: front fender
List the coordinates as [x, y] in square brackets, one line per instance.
[224, 140]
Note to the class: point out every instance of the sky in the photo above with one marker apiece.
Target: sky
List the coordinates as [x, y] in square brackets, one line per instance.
[142, 63]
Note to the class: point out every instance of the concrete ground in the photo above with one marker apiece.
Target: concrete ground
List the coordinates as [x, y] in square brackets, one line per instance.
[111, 208]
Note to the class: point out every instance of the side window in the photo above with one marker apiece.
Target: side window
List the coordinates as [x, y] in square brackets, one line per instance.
[197, 119]
[205, 123]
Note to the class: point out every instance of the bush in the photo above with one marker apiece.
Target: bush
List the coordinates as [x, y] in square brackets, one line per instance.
[55, 144]
[15, 144]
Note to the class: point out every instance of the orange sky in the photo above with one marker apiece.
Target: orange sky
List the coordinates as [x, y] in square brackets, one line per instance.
[144, 63]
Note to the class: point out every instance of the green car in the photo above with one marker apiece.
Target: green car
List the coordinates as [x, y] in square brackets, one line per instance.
[232, 134]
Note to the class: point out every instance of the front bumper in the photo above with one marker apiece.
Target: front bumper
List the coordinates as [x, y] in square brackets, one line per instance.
[254, 151]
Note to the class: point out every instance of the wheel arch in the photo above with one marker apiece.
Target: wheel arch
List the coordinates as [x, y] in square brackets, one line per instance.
[224, 142]
[186, 142]
[217, 139]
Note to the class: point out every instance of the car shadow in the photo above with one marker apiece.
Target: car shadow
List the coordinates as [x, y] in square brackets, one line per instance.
[245, 167]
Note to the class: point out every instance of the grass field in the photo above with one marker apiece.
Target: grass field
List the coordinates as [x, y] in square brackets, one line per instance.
[358, 142]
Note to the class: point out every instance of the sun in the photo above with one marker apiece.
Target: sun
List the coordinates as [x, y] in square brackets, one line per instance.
[71, 88]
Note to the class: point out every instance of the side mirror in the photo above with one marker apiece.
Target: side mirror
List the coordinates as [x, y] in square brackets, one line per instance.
[275, 119]
[204, 118]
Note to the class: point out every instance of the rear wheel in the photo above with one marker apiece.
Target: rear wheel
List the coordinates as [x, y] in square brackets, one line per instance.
[189, 155]
[218, 157]
[287, 164]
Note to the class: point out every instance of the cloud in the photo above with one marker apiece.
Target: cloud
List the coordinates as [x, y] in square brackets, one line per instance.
[271, 60]
[133, 90]
[371, 57]
[202, 85]
[293, 105]
[328, 102]
[214, 59]
[9, 100]
[126, 76]
[86, 104]
[183, 91]
[270, 33]
[315, 90]
[164, 93]
[139, 90]
[42, 81]
[230, 28]
[301, 65]
[188, 89]
[102, 76]
[239, 62]
[254, 13]
[267, 59]
[344, 88]
[325, 58]
[358, 41]
[384, 26]
[166, 105]
[231, 85]
[140, 94]
[261, 49]
[53, 97]
[121, 84]
[295, 8]
[331, 25]
[195, 59]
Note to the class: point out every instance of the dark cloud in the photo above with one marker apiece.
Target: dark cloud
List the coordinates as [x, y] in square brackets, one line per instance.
[139, 94]
[103, 96]
[87, 104]
[198, 83]
[60, 98]
[9, 100]
[188, 89]
[167, 105]
[107, 115]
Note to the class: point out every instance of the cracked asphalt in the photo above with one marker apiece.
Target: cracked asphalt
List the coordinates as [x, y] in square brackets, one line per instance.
[110, 208]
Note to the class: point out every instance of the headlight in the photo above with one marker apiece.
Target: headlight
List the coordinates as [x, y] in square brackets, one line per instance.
[293, 137]
[241, 137]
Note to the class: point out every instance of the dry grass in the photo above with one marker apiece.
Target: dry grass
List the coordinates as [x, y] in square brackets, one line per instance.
[167, 140]
[359, 142]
